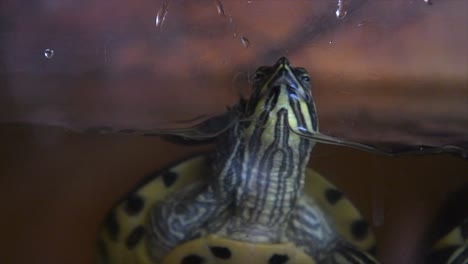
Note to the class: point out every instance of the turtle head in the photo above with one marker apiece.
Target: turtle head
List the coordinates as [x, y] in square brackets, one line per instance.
[281, 93]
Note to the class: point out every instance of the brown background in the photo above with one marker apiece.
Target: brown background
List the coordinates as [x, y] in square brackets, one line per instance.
[55, 187]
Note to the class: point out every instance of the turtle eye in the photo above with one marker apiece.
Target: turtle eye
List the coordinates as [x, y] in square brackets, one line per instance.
[259, 76]
[305, 78]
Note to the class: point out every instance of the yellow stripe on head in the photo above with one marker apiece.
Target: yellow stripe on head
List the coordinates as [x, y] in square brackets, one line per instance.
[282, 87]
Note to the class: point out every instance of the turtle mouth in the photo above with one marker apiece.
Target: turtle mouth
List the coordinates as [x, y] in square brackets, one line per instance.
[287, 95]
[283, 79]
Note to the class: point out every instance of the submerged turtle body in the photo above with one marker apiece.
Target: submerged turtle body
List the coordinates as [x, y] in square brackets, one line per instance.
[452, 248]
[447, 237]
[123, 238]
[253, 202]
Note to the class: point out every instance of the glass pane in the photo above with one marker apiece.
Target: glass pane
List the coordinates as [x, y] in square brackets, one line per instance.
[392, 74]
[383, 72]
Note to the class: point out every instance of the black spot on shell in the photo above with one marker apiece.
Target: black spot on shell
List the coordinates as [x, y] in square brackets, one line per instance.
[278, 259]
[169, 177]
[192, 259]
[360, 229]
[221, 252]
[134, 204]
[112, 226]
[135, 236]
[333, 195]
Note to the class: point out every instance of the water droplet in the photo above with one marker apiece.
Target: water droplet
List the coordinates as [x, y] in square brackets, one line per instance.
[161, 15]
[330, 42]
[49, 53]
[362, 23]
[341, 11]
[245, 42]
[220, 8]
[429, 2]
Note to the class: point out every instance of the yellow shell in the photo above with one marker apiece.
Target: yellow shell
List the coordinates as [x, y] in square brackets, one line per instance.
[213, 249]
[122, 238]
[452, 248]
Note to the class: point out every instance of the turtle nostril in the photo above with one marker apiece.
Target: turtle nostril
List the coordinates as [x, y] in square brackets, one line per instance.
[282, 61]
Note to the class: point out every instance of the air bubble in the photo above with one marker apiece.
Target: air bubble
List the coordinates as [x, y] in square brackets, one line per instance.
[245, 42]
[341, 11]
[49, 53]
[220, 8]
[429, 2]
[161, 15]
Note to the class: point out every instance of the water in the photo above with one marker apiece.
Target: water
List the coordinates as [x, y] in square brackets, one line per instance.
[49, 53]
[220, 8]
[341, 11]
[388, 73]
[232, 24]
[245, 42]
[362, 23]
[161, 14]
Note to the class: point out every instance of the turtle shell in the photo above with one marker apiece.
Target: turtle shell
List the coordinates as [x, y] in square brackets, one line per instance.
[448, 235]
[452, 248]
[122, 237]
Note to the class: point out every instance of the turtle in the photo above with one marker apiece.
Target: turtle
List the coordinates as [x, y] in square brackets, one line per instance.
[452, 248]
[448, 235]
[253, 200]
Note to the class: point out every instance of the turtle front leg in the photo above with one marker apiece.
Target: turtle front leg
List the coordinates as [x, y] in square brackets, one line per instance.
[181, 217]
